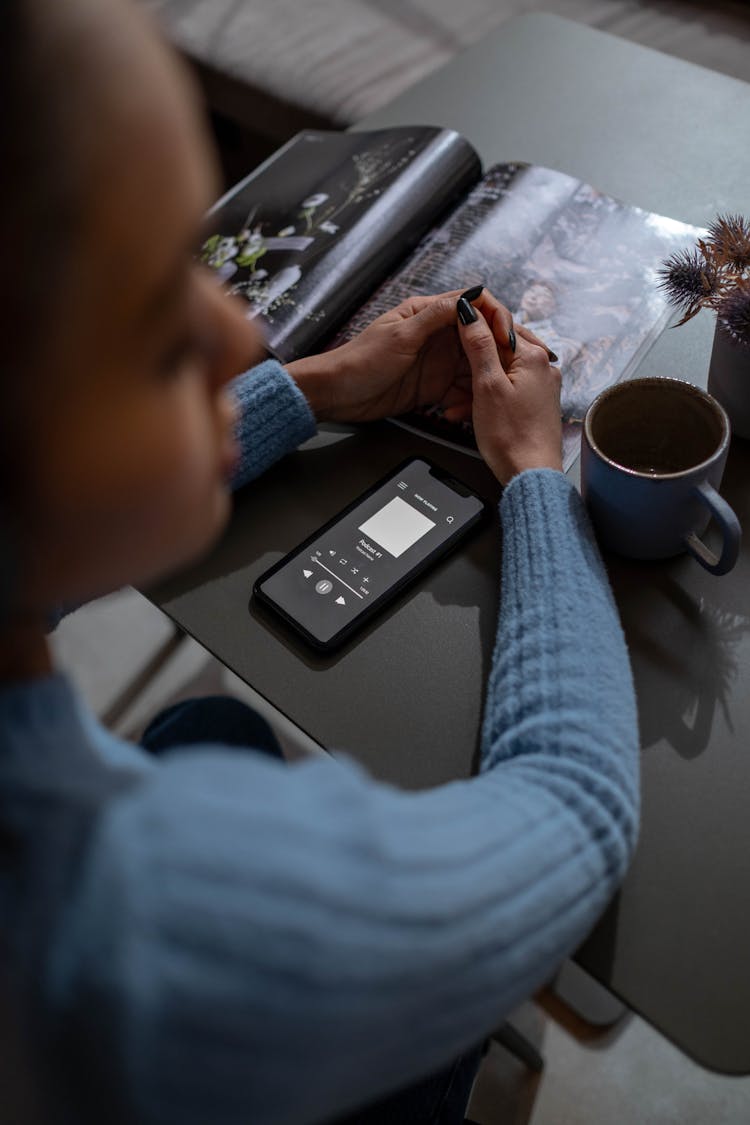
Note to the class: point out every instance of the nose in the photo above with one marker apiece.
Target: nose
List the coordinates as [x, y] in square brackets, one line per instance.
[238, 343]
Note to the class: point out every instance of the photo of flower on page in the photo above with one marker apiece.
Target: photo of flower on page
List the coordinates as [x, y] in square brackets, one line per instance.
[308, 235]
[247, 258]
[577, 267]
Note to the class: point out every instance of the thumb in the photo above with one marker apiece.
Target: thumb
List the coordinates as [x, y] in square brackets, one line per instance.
[439, 313]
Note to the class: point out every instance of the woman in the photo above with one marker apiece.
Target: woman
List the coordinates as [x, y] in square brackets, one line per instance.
[214, 936]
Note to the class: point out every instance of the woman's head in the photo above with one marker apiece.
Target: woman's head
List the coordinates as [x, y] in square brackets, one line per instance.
[114, 348]
[538, 301]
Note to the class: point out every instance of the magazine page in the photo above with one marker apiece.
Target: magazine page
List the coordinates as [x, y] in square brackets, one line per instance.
[309, 235]
[576, 266]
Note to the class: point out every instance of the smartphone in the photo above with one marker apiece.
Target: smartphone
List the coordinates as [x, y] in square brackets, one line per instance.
[358, 562]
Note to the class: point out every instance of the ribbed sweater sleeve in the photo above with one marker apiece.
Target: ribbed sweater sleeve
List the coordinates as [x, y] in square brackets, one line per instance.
[270, 943]
[567, 718]
[273, 418]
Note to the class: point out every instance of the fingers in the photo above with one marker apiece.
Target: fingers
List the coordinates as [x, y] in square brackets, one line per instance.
[507, 332]
[526, 334]
[496, 314]
[432, 314]
[461, 412]
[498, 318]
[501, 323]
[516, 409]
[458, 401]
[480, 348]
[415, 304]
[490, 362]
[428, 314]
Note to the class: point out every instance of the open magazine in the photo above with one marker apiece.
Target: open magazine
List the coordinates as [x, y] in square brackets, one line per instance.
[336, 228]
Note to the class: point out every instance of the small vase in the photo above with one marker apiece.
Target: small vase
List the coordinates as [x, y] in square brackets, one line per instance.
[729, 380]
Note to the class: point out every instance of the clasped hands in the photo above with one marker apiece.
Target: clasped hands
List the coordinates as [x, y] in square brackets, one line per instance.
[419, 354]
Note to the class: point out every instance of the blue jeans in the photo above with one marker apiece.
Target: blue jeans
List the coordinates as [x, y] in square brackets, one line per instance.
[438, 1100]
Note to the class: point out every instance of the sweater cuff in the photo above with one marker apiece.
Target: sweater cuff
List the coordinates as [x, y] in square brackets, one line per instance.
[274, 418]
[535, 488]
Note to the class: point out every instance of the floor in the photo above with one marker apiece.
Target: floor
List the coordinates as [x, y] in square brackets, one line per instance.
[623, 1073]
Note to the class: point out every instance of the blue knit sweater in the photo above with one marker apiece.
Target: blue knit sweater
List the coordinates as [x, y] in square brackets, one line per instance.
[236, 941]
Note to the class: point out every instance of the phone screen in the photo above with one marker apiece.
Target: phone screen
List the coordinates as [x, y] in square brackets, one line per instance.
[352, 566]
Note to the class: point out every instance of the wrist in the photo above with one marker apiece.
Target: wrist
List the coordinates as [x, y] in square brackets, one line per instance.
[534, 467]
[505, 468]
[316, 377]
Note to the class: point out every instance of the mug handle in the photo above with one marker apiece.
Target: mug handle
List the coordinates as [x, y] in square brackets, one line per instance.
[730, 530]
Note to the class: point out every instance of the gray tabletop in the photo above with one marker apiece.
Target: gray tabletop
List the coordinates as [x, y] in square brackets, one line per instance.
[405, 697]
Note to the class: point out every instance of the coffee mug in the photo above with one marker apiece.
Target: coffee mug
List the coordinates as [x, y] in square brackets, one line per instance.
[653, 452]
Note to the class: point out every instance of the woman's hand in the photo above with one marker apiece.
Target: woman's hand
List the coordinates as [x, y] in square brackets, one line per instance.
[409, 357]
[516, 398]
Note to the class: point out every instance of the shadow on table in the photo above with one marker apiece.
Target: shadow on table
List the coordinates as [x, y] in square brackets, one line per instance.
[686, 631]
[685, 650]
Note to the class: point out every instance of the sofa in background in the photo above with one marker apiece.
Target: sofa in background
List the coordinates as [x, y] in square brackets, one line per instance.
[272, 67]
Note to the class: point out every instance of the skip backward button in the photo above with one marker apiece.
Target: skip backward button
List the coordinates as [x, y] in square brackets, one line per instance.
[340, 601]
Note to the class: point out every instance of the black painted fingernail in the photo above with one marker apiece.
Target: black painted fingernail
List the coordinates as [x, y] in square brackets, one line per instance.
[512, 339]
[473, 293]
[466, 314]
[552, 356]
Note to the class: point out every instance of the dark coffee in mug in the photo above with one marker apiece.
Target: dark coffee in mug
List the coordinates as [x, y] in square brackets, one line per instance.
[653, 452]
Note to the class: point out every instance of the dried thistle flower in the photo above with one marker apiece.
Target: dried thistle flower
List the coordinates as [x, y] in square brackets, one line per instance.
[729, 241]
[734, 313]
[687, 279]
[715, 275]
